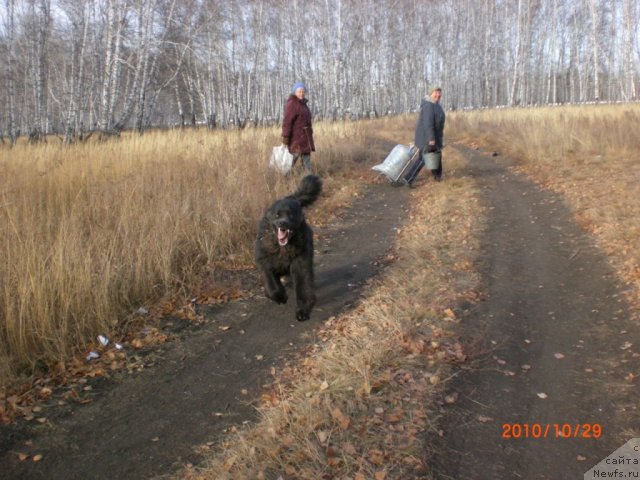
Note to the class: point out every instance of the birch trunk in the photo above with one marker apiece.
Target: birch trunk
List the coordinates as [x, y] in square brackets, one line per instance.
[595, 44]
[10, 72]
[80, 21]
[630, 32]
[42, 20]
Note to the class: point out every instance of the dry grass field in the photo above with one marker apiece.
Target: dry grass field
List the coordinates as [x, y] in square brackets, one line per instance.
[590, 154]
[90, 232]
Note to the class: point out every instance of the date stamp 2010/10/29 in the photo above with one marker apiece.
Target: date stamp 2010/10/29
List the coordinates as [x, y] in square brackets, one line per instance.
[551, 430]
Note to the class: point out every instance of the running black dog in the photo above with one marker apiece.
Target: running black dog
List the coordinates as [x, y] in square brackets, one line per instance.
[285, 247]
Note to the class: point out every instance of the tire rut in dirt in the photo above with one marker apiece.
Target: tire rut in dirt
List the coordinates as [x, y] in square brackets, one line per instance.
[552, 324]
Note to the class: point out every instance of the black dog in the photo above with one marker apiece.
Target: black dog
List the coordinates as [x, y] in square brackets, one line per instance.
[285, 247]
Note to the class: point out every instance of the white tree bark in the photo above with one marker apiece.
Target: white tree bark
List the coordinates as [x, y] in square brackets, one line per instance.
[10, 72]
[595, 45]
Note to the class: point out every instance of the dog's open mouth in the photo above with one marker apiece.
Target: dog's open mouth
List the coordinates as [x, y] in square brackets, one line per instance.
[283, 236]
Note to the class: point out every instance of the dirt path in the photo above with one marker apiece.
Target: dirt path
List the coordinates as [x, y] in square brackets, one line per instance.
[555, 326]
[147, 424]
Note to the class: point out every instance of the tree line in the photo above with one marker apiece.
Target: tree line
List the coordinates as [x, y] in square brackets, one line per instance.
[79, 66]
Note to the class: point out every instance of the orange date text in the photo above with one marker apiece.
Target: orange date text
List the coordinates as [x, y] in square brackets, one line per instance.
[551, 430]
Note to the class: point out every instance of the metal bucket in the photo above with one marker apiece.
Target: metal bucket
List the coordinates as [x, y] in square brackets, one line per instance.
[432, 160]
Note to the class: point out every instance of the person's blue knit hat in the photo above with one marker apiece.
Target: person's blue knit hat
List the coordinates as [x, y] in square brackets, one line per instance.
[297, 86]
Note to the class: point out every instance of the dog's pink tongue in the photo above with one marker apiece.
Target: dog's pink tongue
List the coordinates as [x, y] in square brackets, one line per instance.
[283, 236]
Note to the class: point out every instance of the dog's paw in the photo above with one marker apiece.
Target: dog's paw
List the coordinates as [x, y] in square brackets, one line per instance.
[302, 315]
[279, 297]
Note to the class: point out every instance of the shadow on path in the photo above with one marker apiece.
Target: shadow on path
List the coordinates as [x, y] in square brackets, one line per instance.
[557, 328]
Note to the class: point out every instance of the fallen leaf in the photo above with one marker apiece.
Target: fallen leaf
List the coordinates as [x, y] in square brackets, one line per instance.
[558, 355]
[451, 398]
[37, 458]
[324, 385]
[349, 448]
[229, 462]
[322, 436]
[394, 417]
[542, 395]
[360, 476]
[376, 457]
[22, 456]
[45, 392]
[380, 475]
[581, 458]
[341, 418]
[259, 357]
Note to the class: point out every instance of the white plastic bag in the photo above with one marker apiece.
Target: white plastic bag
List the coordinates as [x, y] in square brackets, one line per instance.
[281, 160]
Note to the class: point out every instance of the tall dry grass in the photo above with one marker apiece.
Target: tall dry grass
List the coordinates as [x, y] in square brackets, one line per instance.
[90, 231]
[589, 154]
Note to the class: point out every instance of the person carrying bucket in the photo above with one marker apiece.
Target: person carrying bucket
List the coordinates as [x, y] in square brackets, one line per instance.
[429, 132]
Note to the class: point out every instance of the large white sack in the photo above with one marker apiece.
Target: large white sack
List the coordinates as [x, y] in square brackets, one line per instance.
[395, 161]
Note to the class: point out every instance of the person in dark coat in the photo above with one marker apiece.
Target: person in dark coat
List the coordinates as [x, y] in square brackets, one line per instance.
[430, 132]
[297, 131]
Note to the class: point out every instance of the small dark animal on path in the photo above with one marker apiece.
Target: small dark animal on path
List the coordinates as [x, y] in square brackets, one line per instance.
[284, 247]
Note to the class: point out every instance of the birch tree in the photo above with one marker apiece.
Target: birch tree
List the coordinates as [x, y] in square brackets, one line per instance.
[10, 71]
[630, 22]
[595, 45]
[114, 24]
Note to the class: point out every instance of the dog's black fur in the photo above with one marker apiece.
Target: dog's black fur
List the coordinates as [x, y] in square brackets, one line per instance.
[285, 247]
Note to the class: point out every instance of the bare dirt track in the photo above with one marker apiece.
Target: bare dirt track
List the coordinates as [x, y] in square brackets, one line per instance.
[148, 424]
[556, 341]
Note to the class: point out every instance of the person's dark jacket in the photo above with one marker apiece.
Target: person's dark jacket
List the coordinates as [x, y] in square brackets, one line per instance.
[297, 132]
[430, 125]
